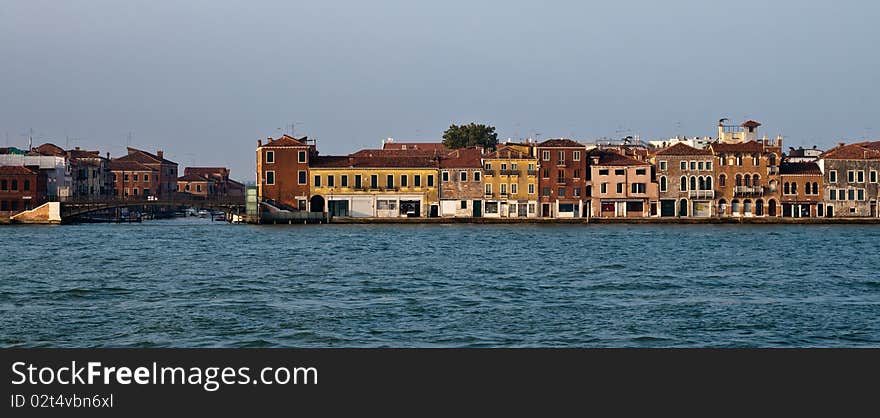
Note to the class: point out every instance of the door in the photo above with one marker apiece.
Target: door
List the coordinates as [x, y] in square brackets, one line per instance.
[874, 209]
[435, 211]
[545, 210]
[829, 211]
[522, 210]
[478, 208]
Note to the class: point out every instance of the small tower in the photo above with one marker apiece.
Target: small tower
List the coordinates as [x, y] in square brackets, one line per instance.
[750, 130]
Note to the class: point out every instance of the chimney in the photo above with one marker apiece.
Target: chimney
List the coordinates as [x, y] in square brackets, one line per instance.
[840, 144]
[108, 155]
[259, 143]
[160, 154]
[76, 148]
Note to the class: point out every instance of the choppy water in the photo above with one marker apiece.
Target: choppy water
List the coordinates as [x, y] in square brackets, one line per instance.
[186, 283]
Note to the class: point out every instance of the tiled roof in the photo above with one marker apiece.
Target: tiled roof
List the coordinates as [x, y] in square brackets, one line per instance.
[750, 124]
[330, 161]
[221, 172]
[799, 168]
[508, 153]
[425, 146]
[127, 165]
[143, 157]
[561, 143]
[16, 170]
[612, 158]
[50, 149]
[874, 145]
[860, 151]
[751, 146]
[373, 162]
[77, 153]
[683, 149]
[287, 141]
[462, 158]
[192, 177]
[398, 153]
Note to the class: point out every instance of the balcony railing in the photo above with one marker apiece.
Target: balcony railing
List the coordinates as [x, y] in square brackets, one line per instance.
[509, 172]
[701, 194]
[533, 172]
[748, 191]
[773, 170]
[489, 172]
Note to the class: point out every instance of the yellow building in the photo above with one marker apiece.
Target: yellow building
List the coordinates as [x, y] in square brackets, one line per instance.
[510, 174]
[374, 185]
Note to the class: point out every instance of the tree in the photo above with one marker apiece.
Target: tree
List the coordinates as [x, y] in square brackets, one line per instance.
[470, 135]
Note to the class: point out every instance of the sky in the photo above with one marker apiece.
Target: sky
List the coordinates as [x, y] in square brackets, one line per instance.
[203, 80]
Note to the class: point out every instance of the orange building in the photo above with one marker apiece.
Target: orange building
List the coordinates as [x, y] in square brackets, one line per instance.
[283, 171]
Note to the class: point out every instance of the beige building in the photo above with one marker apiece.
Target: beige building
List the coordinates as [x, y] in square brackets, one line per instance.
[511, 182]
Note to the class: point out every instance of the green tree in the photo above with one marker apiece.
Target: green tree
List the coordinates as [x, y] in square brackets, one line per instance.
[470, 135]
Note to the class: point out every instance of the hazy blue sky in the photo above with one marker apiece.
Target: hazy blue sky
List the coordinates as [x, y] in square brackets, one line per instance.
[204, 79]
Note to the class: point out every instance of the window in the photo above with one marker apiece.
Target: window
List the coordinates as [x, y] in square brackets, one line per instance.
[620, 172]
[503, 188]
[832, 195]
[739, 160]
[14, 184]
[404, 180]
[374, 181]
[445, 176]
[684, 165]
[562, 192]
[487, 166]
[417, 181]
[873, 176]
[560, 176]
[663, 183]
[841, 194]
[861, 193]
[488, 188]
[755, 161]
[27, 185]
[603, 172]
[662, 165]
[135, 177]
[198, 188]
[317, 181]
[603, 188]
[860, 176]
[301, 177]
[513, 188]
[851, 195]
[700, 166]
[4, 185]
[358, 180]
[430, 180]
[693, 165]
[786, 189]
[531, 167]
[386, 204]
[577, 173]
[709, 165]
[560, 157]
[545, 155]
[793, 188]
[270, 178]
[147, 178]
[683, 184]
[463, 175]
[545, 191]
[832, 176]
[641, 172]
[589, 191]
[815, 188]
[807, 188]
[577, 192]
[531, 188]
[462, 204]
[619, 188]
[476, 176]
[531, 208]
[851, 176]
[639, 188]
[270, 157]
[693, 183]
[331, 181]
[545, 173]
[576, 156]
[503, 166]
[389, 181]
[134, 191]
[302, 157]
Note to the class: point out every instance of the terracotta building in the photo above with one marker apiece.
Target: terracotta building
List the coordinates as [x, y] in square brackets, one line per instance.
[620, 186]
[283, 171]
[461, 182]
[129, 175]
[801, 184]
[21, 188]
[685, 180]
[220, 184]
[510, 176]
[850, 174]
[197, 186]
[562, 179]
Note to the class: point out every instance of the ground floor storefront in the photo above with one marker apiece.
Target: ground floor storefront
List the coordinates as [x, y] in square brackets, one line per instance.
[377, 206]
[623, 208]
[684, 208]
[564, 209]
[510, 208]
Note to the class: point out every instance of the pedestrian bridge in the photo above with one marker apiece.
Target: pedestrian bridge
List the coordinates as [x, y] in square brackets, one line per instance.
[73, 208]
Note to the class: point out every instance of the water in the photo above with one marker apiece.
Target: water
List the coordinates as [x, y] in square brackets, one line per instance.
[194, 283]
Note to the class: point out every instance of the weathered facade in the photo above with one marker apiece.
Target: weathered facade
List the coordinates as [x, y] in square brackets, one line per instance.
[686, 181]
[562, 178]
[197, 186]
[283, 171]
[159, 180]
[801, 190]
[90, 174]
[620, 186]
[21, 188]
[511, 182]
[461, 182]
[850, 175]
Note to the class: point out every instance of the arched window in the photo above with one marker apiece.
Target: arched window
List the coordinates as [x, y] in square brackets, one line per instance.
[739, 180]
[722, 180]
[772, 159]
[748, 180]
[708, 182]
[807, 188]
[662, 183]
[785, 188]
[683, 184]
[793, 188]
[702, 183]
[756, 180]
[693, 183]
[747, 207]
[683, 207]
[815, 188]
[759, 208]
[734, 206]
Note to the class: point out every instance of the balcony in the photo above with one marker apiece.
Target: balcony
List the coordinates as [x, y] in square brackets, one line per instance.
[701, 194]
[489, 172]
[533, 172]
[772, 170]
[748, 191]
[509, 172]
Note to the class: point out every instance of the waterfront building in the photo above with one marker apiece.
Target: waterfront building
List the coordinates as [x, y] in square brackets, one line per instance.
[747, 171]
[801, 190]
[219, 182]
[283, 171]
[140, 174]
[196, 185]
[375, 183]
[90, 173]
[685, 181]
[461, 182]
[620, 186]
[850, 175]
[21, 188]
[510, 176]
[56, 170]
[562, 180]
[802, 155]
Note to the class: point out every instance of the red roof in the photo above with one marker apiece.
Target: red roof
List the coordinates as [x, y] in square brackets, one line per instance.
[373, 162]
[143, 157]
[861, 151]
[128, 165]
[508, 153]
[875, 145]
[220, 172]
[50, 149]
[462, 158]
[788, 168]
[16, 170]
[750, 124]
[683, 149]
[560, 143]
[397, 153]
[425, 146]
[287, 141]
[751, 146]
[192, 177]
[611, 158]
